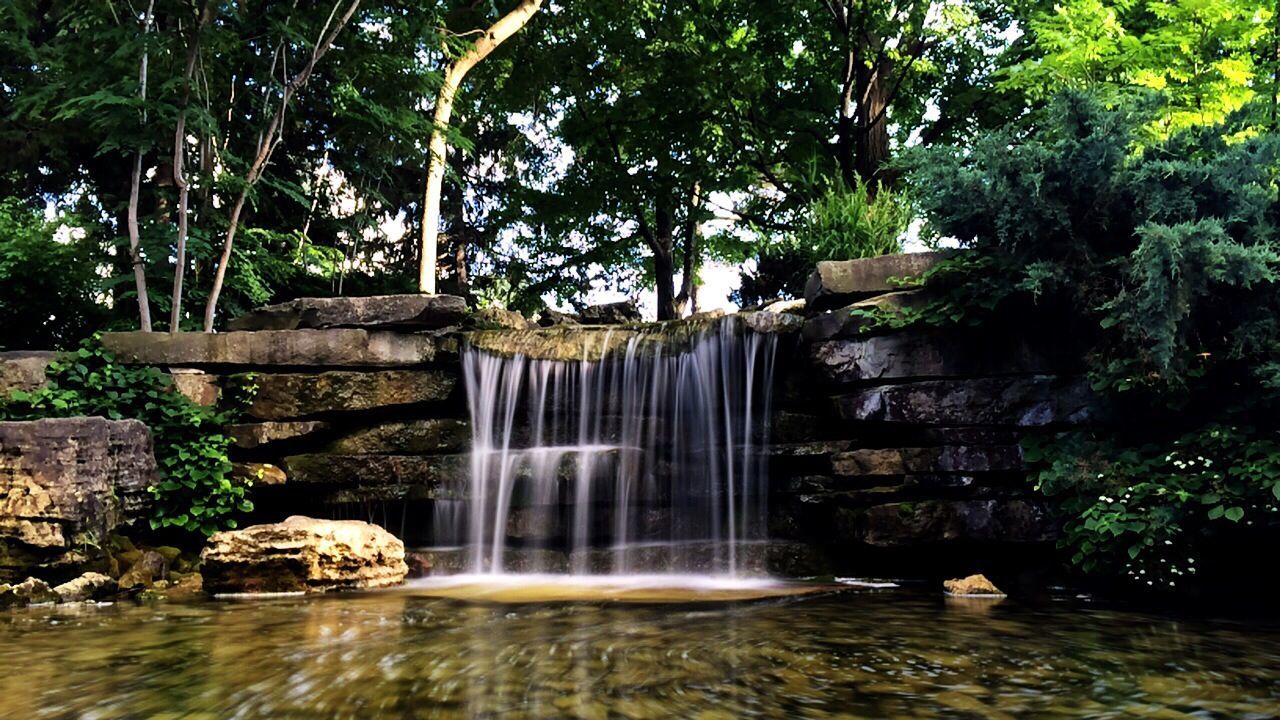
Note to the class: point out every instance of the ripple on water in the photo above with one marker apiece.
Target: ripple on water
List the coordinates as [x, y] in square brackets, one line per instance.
[405, 653]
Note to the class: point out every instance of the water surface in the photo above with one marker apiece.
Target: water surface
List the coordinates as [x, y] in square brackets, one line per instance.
[876, 654]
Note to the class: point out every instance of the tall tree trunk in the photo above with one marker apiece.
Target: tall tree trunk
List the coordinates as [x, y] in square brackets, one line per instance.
[664, 268]
[846, 122]
[135, 239]
[179, 170]
[688, 296]
[872, 139]
[266, 145]
[438, 147]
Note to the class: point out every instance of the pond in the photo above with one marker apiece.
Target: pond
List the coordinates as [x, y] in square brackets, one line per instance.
[900, 652]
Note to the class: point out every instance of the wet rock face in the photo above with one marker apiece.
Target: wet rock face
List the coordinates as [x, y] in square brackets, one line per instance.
[939, 521]
[1025, 401]
[65, 484]
[839, 282]
[425, 312]
[303, 554]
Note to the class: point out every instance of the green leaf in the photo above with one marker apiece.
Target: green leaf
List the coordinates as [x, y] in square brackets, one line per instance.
[1234, 514]
[1216, 512]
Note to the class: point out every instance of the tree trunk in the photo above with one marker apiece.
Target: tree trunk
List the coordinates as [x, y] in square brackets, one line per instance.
[438, 147]
[664, 269]
[179, 170]
[266, 145]
[872, 139]
[135, 240]
[688, 296]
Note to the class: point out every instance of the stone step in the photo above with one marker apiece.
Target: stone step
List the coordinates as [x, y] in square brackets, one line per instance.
[433, 435]
[838, 282]
[275, 348]
[378, 311]
[849, 321]
[924, 354]
[282, 396]
[914, 461]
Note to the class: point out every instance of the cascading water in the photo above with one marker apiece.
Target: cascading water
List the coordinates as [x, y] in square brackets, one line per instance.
[638, 457]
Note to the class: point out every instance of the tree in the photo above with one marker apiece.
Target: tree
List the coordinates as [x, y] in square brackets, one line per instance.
[438, 147]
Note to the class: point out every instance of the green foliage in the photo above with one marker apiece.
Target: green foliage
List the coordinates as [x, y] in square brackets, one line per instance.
[957, 294]
[48, 283]
[842, 224]
[1142, 512]
[1203, 59]
[1168, 257]
[195, 491]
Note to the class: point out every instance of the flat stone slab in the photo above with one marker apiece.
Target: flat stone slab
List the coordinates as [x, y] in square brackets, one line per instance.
[850, 320]
[839, 282]
[433, 435]
[252, 435]
[1019, 401]
[384, 476]
[282, 396]
[426, 312]
[281, 348]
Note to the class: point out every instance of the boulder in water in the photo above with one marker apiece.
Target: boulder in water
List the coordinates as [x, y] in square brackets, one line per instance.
[303, 554]
[972, 586]
[148, 569]
[89, 586]
[28, 592]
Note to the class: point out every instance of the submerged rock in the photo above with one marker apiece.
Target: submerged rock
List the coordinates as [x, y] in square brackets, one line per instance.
[303, 554]
[974, 585]
[148, 569]
[378, 311]
[28, 592]
[89, 586]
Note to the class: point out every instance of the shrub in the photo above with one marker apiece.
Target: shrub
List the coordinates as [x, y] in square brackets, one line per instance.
[195, 492]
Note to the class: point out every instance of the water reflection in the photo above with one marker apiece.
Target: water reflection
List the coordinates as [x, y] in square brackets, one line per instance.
[394, 654]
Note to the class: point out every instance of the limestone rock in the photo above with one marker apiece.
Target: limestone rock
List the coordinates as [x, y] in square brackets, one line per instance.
[946, 459]
[286, 395]
[149, 568]
[1026, 401]
[772, 322]
[930, 522]
[23, 370]
[549, 318]
[974, 585]
[933, 354]
[284, 348]
[258, 474]
[303, 554]
[89, 586]
[849, 321]
[28, 592]
[795, 306]
[418, 436]
[839, 282]
[199, 387]
[253, 435]
[373, 477]
[500, 318]
[379, 311]
[614, 313]
[65, 484]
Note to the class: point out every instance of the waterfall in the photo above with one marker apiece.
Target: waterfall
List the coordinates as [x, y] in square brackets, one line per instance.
[639, 457]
